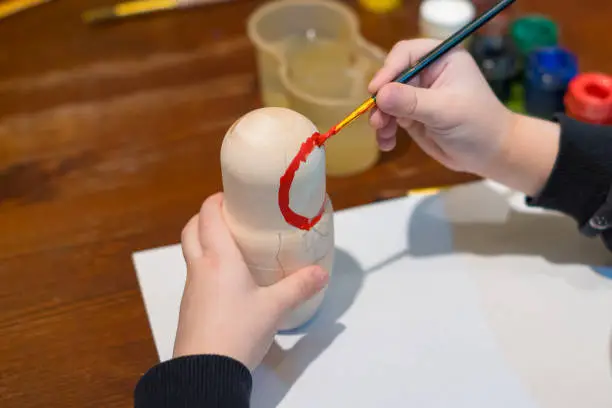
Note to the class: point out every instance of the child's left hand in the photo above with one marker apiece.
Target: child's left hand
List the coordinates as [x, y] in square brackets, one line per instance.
[223, 311]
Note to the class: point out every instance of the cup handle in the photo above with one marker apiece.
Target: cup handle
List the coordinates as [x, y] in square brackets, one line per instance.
[375, 51]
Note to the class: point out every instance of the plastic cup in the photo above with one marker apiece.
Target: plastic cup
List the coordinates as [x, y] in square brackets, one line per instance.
[312, 58]
[283, 25]
[326, 102]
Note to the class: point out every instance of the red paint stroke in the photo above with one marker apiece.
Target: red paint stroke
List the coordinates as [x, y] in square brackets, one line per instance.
[322, 138]
[292, 218]
[316, 140]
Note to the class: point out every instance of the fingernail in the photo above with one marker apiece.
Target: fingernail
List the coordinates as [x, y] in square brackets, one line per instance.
[319, 275]
[375, 79]
[386, 145]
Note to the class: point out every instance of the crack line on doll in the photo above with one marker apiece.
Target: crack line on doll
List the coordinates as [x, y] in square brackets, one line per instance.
[278, 252]
[316, 261]
[324, 235]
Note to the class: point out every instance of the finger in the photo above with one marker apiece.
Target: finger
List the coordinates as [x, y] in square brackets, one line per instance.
[405, 101]
[214, 234]
[386, 137]
[386, 145]
[405, 123]
[298, 287]
[379, 119]
[389, 131]
[402, 56]
[190, 240]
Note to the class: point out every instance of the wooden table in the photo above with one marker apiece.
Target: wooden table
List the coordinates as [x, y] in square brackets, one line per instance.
[109, 142]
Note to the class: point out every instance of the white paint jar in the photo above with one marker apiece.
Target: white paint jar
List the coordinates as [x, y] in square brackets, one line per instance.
[439, 19]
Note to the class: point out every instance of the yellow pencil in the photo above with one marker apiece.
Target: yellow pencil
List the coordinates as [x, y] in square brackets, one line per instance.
[136, 7]
[10, 7]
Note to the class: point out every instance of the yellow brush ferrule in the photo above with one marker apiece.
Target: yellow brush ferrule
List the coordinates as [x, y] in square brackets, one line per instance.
[364, 107]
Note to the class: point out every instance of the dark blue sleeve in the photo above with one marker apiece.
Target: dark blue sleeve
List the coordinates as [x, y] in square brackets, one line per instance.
[582, 176]
[205, 381]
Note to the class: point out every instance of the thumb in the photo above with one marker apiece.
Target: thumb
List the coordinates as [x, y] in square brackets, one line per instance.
[298, 287]
[406, 101]
[214, 233]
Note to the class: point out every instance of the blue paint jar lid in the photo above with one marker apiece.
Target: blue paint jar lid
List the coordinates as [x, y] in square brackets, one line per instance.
[551, 68]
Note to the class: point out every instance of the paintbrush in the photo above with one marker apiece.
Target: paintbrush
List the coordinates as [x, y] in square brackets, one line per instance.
[424, 62]
[11, 7]
[137, 7]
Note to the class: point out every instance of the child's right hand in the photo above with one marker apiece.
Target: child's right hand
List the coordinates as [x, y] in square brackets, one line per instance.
[449, 110]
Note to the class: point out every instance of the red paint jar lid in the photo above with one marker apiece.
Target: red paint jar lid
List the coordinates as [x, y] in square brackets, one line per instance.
[589, 98]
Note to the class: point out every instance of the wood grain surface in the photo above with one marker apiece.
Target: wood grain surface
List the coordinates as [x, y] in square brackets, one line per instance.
[109, 142]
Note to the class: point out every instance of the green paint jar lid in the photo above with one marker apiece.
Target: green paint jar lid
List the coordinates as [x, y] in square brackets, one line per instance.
[534, 31]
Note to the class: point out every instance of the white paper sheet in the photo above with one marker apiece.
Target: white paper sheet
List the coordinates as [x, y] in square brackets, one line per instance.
[411, 321]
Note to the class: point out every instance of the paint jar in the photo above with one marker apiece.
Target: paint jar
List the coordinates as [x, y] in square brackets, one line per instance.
[498, 61]
[589, 98]
[440, 19]
[529, 33]
[311, 58]
[381, 6]
[532, 32]
[547, 75]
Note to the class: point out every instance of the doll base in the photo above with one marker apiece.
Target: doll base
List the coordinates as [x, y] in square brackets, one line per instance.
[303, 328]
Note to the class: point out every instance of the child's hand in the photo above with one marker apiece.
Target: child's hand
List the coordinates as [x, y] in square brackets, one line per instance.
[450, 112]
[223, 311]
